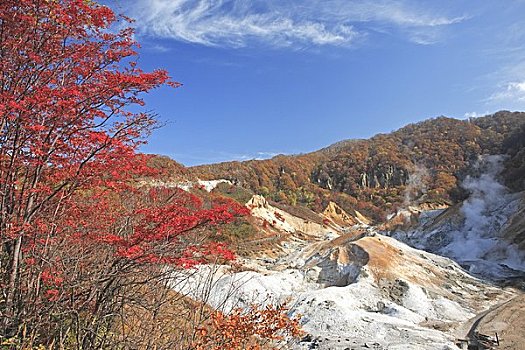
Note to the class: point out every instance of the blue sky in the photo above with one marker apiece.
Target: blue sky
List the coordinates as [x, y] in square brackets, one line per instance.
[277, 76]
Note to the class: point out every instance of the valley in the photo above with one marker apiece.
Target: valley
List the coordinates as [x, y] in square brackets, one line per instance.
[356, 287]
[434, 274]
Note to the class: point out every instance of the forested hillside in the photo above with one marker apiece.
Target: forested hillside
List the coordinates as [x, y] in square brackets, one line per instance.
[423, 162]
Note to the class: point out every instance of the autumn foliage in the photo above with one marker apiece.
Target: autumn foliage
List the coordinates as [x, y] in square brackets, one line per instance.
[81, 231]
[63, 95]
[244, 329]
[420, 163]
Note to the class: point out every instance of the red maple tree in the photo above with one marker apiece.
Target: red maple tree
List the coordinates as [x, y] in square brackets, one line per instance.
[81, 230]
[69, 194]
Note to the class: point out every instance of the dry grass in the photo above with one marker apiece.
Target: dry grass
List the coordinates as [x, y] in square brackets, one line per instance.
[160, 318]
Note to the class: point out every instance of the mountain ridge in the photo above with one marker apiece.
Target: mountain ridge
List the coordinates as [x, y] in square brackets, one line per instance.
[422, 162]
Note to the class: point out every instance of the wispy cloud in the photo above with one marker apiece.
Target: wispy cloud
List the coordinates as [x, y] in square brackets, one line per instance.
[510, 92]
[231, 23]
[238, 23]
[400, 13]
[208, 157]
[157, 48]
[264, 155]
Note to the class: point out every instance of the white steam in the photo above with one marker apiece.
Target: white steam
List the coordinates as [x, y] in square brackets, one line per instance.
[486, 211]
[486, 193]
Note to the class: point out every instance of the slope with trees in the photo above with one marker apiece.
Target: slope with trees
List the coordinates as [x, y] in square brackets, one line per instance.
[423, 162]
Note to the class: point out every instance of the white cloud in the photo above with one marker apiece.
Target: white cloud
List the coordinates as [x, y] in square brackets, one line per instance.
[208, 157]
[399, 13]
[157, 48]
[207, 22]
[512, 92]
[469, 115]
[263, 155]
[237, 23]
[253, 156]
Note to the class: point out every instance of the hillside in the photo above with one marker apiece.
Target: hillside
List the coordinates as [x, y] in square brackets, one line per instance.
[428, 278]
[419, 163]
[443, 268]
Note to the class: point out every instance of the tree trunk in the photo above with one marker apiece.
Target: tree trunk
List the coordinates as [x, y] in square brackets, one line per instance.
[9, 324]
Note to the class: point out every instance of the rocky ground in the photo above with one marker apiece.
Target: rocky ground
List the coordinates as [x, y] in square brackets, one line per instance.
[372, 292]
[507, 321]
[355, 288]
